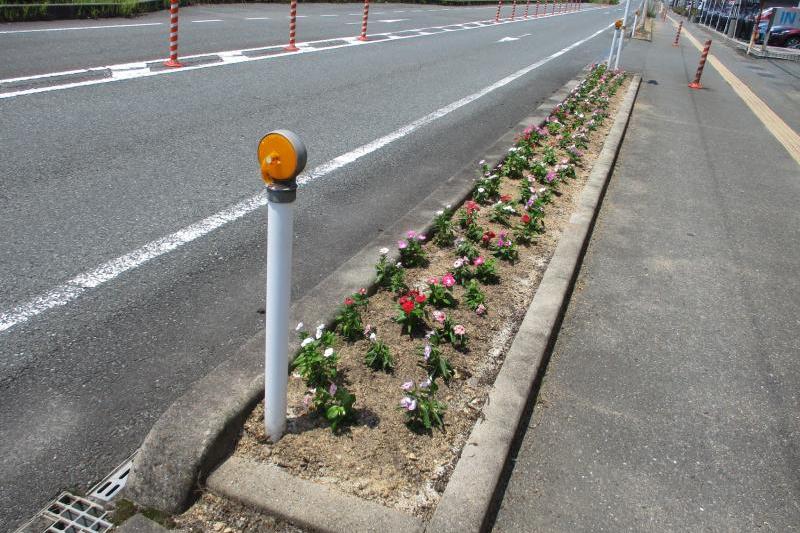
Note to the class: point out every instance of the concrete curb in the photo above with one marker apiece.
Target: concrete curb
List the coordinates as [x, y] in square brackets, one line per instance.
[200, 428]
[467, 502]
[304, 503]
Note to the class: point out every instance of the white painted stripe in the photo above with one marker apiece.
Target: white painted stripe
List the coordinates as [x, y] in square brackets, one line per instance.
[257, 18]
[329, 15]
[305, 48]
[76, 28]
[207, 20]
[73, 288]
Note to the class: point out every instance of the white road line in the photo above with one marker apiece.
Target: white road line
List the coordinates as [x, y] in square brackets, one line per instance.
[128, 71]
[75, 287]
[329, 15]
[207, 20]
[262, 18]
[75, 28]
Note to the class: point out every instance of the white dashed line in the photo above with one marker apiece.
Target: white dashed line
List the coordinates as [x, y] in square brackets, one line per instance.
[207, 20]
[75, 287]
[258, 18]
[76, 28]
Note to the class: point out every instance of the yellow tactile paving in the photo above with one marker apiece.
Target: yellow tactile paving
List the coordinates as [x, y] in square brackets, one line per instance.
[779, 129]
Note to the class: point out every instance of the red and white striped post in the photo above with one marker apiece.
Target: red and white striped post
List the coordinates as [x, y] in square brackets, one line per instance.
[677, 35]
[363, 36]
[499, 6]
[173, 36]
[292, 27]
[536, 13]
[696, 83]
[527, 7]
[513, 9]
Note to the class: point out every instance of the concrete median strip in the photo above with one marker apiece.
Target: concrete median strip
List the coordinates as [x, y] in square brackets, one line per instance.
[200, 429]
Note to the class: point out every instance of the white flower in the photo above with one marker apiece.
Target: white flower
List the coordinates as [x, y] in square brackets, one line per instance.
[440, 212]
[306, 342]
[482, 161]
[384, 251]
[320, 329]
[481, 190]
[373, 337]
[399, 265]
[424, 384]
[448, 206]
[299, 326]
[328, 352]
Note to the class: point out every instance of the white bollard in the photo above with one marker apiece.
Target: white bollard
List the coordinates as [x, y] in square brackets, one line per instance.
[611, 50]
[622, 37]
[282, 157]
[280, 218]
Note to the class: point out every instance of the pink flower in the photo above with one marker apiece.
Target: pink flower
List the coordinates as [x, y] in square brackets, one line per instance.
[367, 329]
[420, 237]
[458, 263]
[458, 329]
[407, 386]
[550, 176]
[402, 244]
[439, 316]
[478, 261]
[481, 309]
[411, 234]
[432, 280]
[427, 352]
[408, 404]
[448, 280]
[332, 389]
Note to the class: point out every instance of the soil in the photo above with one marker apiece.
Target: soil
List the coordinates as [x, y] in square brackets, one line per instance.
[379, 457]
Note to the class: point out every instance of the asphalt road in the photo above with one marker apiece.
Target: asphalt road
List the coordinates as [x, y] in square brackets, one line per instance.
[92, 173]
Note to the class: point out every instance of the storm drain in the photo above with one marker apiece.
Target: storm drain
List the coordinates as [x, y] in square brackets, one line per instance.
[107, 489]
[73, 514]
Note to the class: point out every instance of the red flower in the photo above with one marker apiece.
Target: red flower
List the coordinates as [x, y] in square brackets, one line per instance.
[362, 291]
[526, 218]
[406, 305]
[348, 301]
[420, 299]
[471, 206]
[505, 198]
[489, 235]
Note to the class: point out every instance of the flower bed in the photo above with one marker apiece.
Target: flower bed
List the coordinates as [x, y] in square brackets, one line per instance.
[382, 406]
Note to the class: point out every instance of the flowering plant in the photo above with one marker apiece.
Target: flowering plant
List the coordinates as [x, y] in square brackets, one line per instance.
[316, 360]
[505, 249]
[501, 212]
[486, 188]
[385, 269]
[527, 227]
[455, 334]
[461, 271]
[335, 403]
[411, 252]
[421, 406]
[443, 228]
[465, 248]
[565, 170]
[514, 164]
[486, 238]
[474, 296]
[574, 154]
[441, 291]
[348, 318]
[466, 215]
[486, 271]
[411, 308]
[549, 156]
[378, 356]
[434, 363]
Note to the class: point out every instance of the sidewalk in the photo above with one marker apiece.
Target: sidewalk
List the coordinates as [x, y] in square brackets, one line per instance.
[671, 401]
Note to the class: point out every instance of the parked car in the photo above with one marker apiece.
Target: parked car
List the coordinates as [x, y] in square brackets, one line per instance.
[780, 36]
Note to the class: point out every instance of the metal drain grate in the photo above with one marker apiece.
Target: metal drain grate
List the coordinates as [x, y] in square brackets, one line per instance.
[107, 489]
[73, 514]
